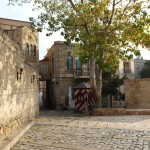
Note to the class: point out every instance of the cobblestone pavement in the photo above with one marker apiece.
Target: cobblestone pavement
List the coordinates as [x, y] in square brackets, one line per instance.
[69, 131]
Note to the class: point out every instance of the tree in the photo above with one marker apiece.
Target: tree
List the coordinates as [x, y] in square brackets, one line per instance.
[104, 30]
[145, 73]
[111, 84]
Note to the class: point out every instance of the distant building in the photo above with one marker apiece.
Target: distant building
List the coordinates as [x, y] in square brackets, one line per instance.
[126, 68]
[62, 71]
[138, 66]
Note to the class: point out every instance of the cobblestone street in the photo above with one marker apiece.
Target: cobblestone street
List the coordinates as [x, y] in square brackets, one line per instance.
[69, 131]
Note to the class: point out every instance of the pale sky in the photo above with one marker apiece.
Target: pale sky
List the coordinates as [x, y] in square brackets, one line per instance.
[24, 12]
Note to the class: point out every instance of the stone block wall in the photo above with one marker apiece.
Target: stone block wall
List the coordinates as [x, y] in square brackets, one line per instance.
[63, 79]
[137, 94]
[19, 99]
[117, 112]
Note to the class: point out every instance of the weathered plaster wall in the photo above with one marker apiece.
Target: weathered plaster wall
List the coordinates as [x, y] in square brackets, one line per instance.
[137, 94]
[19, 101]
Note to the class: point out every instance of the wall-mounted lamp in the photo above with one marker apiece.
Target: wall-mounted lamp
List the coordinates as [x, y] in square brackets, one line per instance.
[33, 76]
[53, 79]
[38, 79]
[56, 81]
[19, 72]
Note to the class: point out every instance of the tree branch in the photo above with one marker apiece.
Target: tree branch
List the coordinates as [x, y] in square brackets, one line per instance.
[73, 6]
[112, 14]
[86, 28]
[118, 2]
[125, 9]
[85, 24]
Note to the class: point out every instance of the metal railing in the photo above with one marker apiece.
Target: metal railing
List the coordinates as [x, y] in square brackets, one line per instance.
[81, 72]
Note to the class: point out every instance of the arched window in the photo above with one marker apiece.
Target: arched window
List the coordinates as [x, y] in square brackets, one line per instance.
[34, 51]
[30, 50]
[27, 49]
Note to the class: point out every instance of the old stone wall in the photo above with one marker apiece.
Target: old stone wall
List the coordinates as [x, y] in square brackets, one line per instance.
[63, 78]
[116, 112]
[137, 93]
[19, 99]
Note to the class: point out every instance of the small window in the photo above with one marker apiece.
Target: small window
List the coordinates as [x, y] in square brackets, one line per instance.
[27, 49]
[127, 67]
[44, 69]
[30, 49]
[88, 68]
[78, 66]
[69, 63]
[52, 64]
[34, 51]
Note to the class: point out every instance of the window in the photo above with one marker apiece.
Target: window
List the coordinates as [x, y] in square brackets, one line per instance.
[69, 63]
[44, 69]
[78, 66]
[34, 51]
[127, 67]
[88, 68]
[30, 49]
[52, 64]
[27, 49]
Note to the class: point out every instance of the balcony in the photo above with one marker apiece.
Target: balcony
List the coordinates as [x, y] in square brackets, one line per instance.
[83, 74]
[44, 69]
[127, 70]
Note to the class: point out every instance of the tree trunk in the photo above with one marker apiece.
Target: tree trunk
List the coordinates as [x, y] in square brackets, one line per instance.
[96, 87]
[110, 101]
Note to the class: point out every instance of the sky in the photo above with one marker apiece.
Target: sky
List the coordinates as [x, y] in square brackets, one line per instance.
[24, 12]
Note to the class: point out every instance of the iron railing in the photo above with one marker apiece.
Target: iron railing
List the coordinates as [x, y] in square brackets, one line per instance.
[81, 72]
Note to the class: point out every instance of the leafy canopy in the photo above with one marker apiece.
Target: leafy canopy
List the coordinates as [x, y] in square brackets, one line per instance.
[109, 30]
[111, 84]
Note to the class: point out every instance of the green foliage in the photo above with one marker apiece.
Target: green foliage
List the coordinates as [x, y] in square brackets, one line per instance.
[109, 30]
[111, 85]
[145, 73]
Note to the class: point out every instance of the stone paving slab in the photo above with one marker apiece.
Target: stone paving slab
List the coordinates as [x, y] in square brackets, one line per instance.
[69, 131]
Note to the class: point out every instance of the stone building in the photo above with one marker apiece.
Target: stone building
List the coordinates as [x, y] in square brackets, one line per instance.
[62, 71]
[19, 73]
[132, 68]
[126, 68]
[138, 66]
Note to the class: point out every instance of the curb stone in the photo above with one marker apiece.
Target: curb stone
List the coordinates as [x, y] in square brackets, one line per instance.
[8, 142]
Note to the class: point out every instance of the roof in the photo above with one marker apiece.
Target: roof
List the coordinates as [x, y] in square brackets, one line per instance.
[13, 24]
[15, 20]
[44, 60]
[63, 43]
[83, 85]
